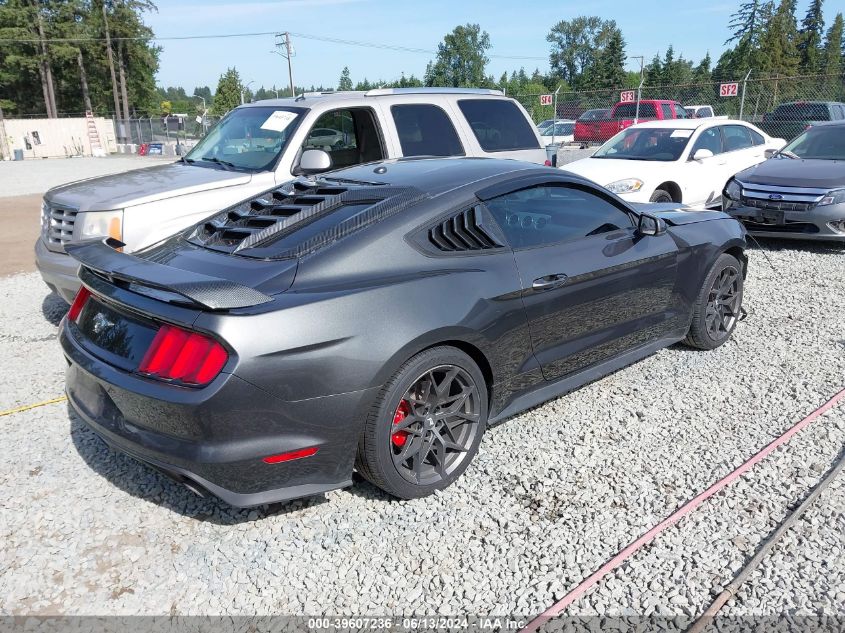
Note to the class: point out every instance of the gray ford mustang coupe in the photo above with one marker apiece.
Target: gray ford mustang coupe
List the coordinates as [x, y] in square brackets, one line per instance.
[378, 318]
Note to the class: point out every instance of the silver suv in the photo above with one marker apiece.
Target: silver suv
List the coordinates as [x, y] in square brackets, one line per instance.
[259, 145]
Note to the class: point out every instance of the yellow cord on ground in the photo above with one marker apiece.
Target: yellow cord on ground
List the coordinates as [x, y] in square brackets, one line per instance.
[32, 406]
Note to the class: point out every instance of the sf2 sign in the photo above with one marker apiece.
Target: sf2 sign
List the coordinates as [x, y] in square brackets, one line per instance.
[628, 96]
[728, 90]
[545, 100]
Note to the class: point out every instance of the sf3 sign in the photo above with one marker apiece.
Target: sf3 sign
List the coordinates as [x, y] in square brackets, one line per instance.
[545, 100]
[628, 96]
[729, 90]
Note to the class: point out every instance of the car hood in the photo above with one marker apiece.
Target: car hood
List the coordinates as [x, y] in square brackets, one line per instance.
[604, 171]
[796, 173]
[141, 186]
[677, 214]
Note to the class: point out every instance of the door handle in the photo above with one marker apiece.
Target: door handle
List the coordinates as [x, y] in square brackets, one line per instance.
[549, 282]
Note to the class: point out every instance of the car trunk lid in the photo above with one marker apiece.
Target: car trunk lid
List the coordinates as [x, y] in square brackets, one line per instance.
[175, 275]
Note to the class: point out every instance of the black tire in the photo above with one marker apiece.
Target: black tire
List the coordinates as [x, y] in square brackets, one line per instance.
[379, 455]
[661, 195]
[716, 312]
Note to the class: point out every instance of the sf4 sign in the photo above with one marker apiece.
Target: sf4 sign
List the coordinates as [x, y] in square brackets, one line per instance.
[628, 96]
[545, 100]
[728, 90]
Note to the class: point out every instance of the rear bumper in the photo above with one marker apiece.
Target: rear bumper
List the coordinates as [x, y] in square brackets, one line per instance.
[58, 270]
[213, 439]
[805, 225]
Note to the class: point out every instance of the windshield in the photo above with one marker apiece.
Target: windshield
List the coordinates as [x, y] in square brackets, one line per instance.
[801, 112]
[658, 144]
[559, 129]
[247, 139]
[629, 111]
[822, 143]
[593, 115]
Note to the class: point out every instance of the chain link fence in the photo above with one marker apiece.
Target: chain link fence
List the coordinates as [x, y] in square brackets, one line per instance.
[781, 106]
[162, 129]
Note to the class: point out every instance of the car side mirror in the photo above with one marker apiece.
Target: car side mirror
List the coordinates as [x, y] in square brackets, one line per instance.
[769, 153]
[314, 161]
[651, 225]
[702, 153]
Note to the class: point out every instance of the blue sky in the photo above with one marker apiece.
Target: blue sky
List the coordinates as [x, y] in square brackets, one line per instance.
[516, 29]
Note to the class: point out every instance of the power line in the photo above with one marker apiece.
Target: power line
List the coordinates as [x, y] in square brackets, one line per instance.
[307, 36]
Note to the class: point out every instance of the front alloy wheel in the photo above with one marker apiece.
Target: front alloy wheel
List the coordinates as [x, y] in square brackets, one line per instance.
[718, 306]
[723, 304]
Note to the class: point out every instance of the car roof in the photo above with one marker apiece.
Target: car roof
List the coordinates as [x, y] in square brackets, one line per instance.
[309, 99]
[802, 102]
[688, 124]
[840, 123]
[436, 175]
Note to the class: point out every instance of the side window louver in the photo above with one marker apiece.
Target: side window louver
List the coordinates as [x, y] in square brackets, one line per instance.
[468, 230]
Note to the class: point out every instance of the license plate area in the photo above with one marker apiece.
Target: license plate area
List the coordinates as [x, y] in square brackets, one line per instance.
[772, 216]
[113, 335]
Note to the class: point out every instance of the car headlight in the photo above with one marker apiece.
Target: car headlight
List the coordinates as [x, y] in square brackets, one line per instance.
[628, 185]
[45, 218]
[733, 190]
[836, 196]
[100, 224]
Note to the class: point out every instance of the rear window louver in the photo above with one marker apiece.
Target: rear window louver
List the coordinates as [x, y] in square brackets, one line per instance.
[250, 228]
[469, 230]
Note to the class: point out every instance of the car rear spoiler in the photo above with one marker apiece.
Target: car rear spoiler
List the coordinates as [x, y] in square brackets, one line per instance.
[99, 255]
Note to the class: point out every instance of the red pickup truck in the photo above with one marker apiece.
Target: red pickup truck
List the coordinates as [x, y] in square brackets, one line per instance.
[622, 116]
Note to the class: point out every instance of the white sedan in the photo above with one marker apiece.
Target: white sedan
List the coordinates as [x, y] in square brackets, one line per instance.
[560, 132]
[686, 160]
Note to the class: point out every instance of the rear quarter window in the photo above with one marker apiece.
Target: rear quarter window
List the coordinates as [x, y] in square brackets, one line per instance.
[498, 125]
[425, 130]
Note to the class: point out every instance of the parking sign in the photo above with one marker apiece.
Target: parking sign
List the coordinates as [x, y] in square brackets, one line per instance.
[545, 100]
[628, 96]
[729, 90]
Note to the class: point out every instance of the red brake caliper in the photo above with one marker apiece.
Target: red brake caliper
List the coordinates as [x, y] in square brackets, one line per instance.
[400, 437]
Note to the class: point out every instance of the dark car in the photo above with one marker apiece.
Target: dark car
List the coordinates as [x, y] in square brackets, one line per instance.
[799, 192]
[788, 120]
[378, 318]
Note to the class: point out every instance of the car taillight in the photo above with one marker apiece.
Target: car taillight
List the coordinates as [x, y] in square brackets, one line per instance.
[78, 303]
[177, 354]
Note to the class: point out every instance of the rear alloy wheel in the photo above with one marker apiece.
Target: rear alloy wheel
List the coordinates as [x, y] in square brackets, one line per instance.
[426, 426]
[717, 308]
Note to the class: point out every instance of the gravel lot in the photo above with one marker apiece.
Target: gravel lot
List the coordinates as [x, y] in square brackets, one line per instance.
[552, 494]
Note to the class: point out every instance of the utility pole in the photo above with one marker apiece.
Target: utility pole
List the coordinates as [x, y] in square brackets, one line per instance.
[111, 65]
[286, 50]
[640, 87]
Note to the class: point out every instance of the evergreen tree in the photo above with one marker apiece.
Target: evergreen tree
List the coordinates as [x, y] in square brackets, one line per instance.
[702, 73]
[833, 60]
[461, 59]
[810, 38]
[610, 64]
[746, 27]
[66, 68]
[654, 71]
[345, 82]
[778, 52]
[228, 94]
